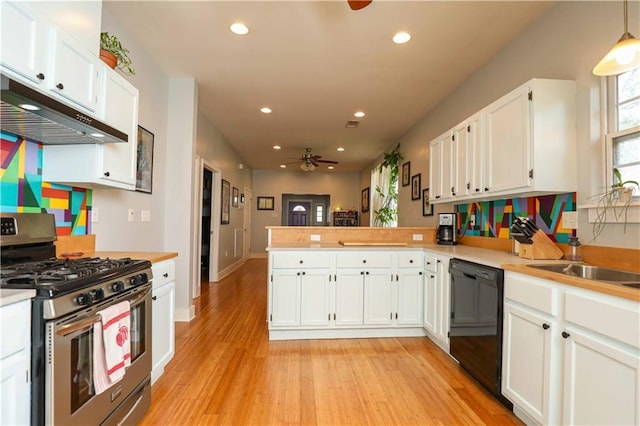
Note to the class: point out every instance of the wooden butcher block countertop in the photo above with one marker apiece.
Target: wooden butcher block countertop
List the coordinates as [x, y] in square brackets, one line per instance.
[153, 257]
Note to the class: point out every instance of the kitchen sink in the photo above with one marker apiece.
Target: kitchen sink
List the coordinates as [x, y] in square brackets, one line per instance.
[597, 273]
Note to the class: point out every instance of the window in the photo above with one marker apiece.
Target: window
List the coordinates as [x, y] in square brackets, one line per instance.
[319, 213]
[623, 138]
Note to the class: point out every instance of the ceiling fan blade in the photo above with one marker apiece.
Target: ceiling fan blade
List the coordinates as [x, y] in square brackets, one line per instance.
[358, 4]
[327, 161]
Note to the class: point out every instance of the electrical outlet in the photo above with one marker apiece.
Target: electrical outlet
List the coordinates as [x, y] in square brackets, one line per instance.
[132, 215]
[315, 237]
[472, 220]
[417, 237]
[570, 220]
[145, 215]
[94, 215]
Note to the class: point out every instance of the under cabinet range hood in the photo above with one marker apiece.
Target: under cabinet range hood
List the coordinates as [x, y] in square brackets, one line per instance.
[33, 115]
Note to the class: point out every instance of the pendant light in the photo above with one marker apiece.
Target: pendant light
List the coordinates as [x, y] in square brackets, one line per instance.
[624, 56]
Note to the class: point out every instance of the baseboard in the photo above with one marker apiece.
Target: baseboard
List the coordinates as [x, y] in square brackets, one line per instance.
[349, 333]
[228, 270]
[259, 255]
[184, 315]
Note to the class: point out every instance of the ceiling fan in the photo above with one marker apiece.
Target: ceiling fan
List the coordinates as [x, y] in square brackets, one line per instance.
[309, 162]
[358, 4]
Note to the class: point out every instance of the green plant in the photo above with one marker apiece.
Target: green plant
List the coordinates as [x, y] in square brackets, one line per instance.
[111, 44]
[388, 211]
[613, 202]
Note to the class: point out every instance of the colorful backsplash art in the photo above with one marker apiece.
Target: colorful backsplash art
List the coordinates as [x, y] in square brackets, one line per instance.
[494, 218]
[22, 188]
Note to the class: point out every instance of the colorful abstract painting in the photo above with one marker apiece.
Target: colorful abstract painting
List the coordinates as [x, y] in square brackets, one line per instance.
[23, 190]
[494, 218]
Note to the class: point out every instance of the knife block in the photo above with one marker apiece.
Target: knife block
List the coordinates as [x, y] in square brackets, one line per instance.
[541, 248]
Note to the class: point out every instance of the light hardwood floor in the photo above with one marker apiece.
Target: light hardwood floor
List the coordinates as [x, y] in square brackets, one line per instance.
[226, 372]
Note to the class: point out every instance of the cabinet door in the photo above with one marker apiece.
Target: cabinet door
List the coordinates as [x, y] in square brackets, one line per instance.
[435, 170]
[508, 142]
[410, 299]
[314, 291]
[15, 389]
[476, 153]
[120, 104]
[443, 301]
[349, 297]
[430, 301]
[526, 361]
[377, 296]
[461, 158]
[24, 50]
[74, 71]
[163, 328]
[601, 381]
[285, 300]
[448, 167]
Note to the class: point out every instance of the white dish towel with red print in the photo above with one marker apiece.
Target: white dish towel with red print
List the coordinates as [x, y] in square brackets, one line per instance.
[111, 346]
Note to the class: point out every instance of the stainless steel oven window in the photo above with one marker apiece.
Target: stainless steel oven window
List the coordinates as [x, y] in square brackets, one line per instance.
[137, 331]
[82, 359]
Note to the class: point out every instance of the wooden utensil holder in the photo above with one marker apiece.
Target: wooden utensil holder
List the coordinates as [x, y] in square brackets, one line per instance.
[542, 248]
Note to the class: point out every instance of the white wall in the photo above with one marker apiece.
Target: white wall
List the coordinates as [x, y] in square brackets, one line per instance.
[214, 148]
[342, 187]
[565, 43]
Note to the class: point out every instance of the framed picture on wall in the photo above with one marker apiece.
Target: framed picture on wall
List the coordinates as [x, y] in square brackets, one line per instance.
[415, 187]
[225, 202]
[144, 168]
[234, 197]
[364, 207]
[265, 203]
[427, 207]
[406, 172]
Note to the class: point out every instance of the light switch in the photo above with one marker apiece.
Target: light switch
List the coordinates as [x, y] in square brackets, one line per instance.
[94, 215]
[570, 220]
[132, 215]
[145, 215]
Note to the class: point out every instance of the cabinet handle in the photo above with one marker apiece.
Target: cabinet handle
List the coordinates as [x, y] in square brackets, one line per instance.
[428, 263]
[477, 189]
[304, 273]
[154, 297]
[565, 334]
[298, 274]
[60, 86]
[438, 261]
[367, 272]
[40, 76]
[334, 317]
[410, 260]
[301, 262]
[328, 317]
[433, 276]
[545, 326]
[437, 196]
[364, 261]
[107, 174]
[390, 315]
[468, 185]
[420, 273]
[166, 275]
[361, 272]
[396, 315]
[486, 189]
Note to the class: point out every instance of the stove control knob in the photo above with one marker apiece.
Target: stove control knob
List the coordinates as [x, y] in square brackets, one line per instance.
[118, 286]
[144, 278]
[138, 279]
[83, 299]
[96, 294]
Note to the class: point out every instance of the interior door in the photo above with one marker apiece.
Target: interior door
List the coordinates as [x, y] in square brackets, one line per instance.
[248, 208]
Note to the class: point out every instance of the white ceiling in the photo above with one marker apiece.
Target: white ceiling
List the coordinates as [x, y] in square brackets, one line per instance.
[317, 62]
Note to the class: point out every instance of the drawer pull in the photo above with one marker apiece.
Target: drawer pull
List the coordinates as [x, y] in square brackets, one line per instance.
[545, 326]
[565, 334]
[410, 260]
[60, 86]
[40, 76]
[166, 275]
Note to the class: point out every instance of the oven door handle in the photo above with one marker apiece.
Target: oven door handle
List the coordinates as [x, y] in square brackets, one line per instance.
[67, 329]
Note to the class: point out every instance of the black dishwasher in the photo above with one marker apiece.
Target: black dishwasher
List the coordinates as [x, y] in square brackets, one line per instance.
[475, 335]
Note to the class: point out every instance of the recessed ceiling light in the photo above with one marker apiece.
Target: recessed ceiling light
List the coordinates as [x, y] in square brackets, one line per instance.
[266, 110]
[340, 149]
[330, 167]
[29, 107]
[401, 37]
[239, 28]
[277, 147]
[359, 114]
[283, 166]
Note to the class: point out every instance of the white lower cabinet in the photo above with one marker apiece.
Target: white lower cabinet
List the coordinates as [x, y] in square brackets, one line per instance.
[570, 356]
[347, 293]
[163, 327]
[437, 309]
[15, 363]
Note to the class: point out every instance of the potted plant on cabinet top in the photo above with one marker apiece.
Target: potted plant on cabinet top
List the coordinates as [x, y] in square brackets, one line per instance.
[113, 53]
[388, 211]
[616, 199]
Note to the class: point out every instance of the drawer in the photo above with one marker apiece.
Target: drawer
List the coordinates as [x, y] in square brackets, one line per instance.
[532, 292]
[163, 272]
[618, 319]
[296, 259]
[15, 320]
[368, 259]
[410, 259]
[430, 262]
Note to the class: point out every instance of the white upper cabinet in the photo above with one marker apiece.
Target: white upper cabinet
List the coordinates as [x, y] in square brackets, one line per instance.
[522, 144]
[28, 59]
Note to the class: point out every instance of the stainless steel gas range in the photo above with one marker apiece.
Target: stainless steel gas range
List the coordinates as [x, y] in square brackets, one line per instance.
[70, 294]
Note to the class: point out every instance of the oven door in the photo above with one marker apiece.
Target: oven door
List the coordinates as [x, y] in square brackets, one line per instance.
[70, 398]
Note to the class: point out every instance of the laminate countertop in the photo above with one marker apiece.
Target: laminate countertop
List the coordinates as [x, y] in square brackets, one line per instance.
[153, 257]
[483, 256]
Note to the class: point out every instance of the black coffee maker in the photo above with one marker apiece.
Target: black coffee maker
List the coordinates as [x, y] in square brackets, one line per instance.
[446, 232]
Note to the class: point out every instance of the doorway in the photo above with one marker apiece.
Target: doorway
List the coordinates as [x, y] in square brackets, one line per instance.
[298, 214]
[205, 222]
[305, 210]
